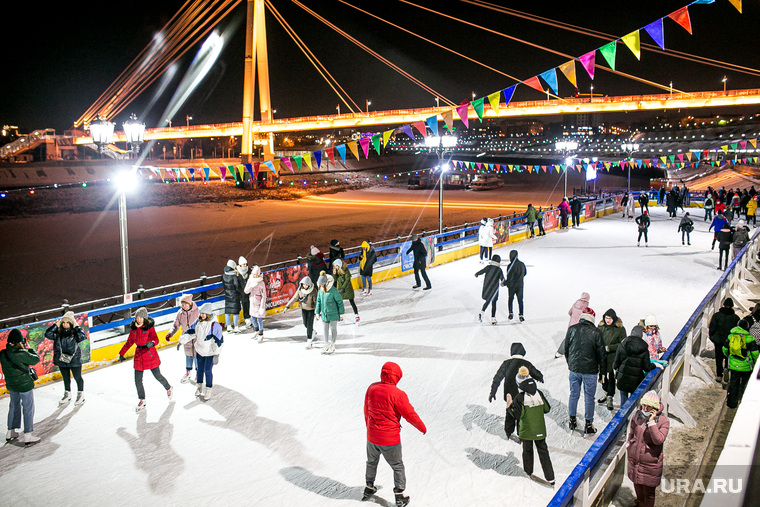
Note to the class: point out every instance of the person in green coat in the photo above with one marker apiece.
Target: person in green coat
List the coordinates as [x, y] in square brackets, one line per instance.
[329, 309]
[742, 352]
[613, 333]
[528, 408]
[343, 282]
[15, 361]
[530, 218]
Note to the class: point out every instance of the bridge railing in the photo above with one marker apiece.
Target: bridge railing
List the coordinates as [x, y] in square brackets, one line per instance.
[599, 473]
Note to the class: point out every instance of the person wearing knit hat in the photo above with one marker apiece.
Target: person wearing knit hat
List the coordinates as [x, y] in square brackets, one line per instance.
[586, 359]
[233, 295]
[187, 314]
[742, 352]
[208, 343]
[336, 252]
[306, 296]
[510, 372]
[529, 409]
[721, 324]
[315, 260]
[648, 430]
[632, 363]
[685, 228]
[643, 223]
[66, 336]
[613, 333]
[740, 238]
[243, 273]
[15, 361]
[329, 309]
[652, 336]
[142, 335]
[345, 287]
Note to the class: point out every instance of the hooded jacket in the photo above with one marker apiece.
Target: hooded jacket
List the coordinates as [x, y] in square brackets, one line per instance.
[494, 277]
[612, 335]
[316, 263]
[343, 280]
[385, 405]
[516, 271]
[184, 319]
[232, 291]
[486, 234]
[584, 349]
[737, 363]
[508, 372]
[336, 252]
[306, 297]
[329, 302]
[645, 443]
[146, 357]
[15, 362]
[257, 291]
[632, 361]
[367, 260]
[721, 324]
[208, 336]
[576, 310]
[528, 409]
[66, 341]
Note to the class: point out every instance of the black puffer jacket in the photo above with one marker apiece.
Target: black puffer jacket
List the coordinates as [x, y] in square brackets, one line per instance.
[508, 372]
[584, 348]
[494, 276]
[632, 361]
[721, 325]
[232, 291]
[66, 340]
[516, 271]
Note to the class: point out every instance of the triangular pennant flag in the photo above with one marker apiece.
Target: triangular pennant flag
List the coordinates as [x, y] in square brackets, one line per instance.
[608, 52]
[633, 41]
[289, 164]
[462, 112]
[386, 137]
[753, 142]
[508, 93]
[342, 152]
[298, 160]
[331, 154]
[432, 124]
[737, 4]
[493, 99]
[224, 172]
[375, 144]
[364, 142]
[270, 165]
[307, 158]
[162, 173]
[724, 148]
[680, 157]
[318, 158]
[256, 166]
[743, 144]
[589, 63]
[477, 105]
[681, 16]
[568, 70]
[448, 119]
[241, 172]
[354, 148]
[654, 29]
[192, 174]
[550, 76]
[206, 171]
[407, 129]
[420, 126]
[534, 83]
[249, 168]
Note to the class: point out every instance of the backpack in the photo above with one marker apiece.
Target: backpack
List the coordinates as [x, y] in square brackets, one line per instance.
[737, 346]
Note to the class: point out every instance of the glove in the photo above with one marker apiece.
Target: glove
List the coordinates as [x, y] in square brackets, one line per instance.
[122, 359]
[491, 398]
[216, 359]
[190, 331]
[150, 345]
[168, 336]
[178, 345]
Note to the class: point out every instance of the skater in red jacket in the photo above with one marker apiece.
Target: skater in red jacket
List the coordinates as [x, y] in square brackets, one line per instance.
[384, 405]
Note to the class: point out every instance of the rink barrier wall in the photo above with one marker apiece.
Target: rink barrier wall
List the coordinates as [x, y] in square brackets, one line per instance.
[108, 324]
[599, 474]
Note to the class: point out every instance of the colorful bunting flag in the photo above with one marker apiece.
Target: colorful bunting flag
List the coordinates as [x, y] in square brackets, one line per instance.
[589, 62]
[462, 112]
[375, 144]
[508, 94]
[493, 99]
[342, 152]
[737, 4]
[364, 142]
[432, 124]
[318, 157]
[568, 70]
[477, 105]
[534, 83]
[608, 52]
[654, 29]
[550, 76]
[331, 154]
[448, 119]
[420, 126]
[633, 41]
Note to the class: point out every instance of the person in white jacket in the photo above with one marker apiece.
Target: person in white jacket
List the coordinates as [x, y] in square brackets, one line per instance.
[257, 291]
[208, 340]
[486, 238]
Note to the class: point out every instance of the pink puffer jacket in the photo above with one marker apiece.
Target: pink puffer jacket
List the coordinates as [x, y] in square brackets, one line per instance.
[645, 442]
[577, 309]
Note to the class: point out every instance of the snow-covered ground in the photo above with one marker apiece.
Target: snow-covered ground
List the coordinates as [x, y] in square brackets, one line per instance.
[285, 425]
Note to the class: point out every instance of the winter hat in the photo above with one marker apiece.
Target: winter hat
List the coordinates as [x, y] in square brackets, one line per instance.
[610, 313]
[142, 312]
[517, 349]
[15, 337]
[338, 263]
[522, 375]
[309, 285]
[637, 331]
[650, 320]
[585, 296]
[206, 309]
[744, 324]
[231, 264]
[528, 386]
[334, 243]
[728, 303]
[186, 298]
[68, 317]
[646, 212]
[323, 279]
[651, 399]
[589, 315]
[484, 220]
[496, 259]
[242, 260]
[740, 224]
[314, 250]
[415, 237]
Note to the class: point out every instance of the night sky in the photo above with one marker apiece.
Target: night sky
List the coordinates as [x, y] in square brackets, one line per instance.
[59, 60]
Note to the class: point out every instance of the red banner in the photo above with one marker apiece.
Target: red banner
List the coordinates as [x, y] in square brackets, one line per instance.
[551, 219]
[282, 284]
[590, 209]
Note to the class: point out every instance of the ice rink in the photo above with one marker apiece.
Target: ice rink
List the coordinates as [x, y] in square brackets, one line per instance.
[285, 425]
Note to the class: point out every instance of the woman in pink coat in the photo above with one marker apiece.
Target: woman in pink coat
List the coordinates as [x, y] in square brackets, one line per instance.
[574, 312]
[646, 437]
[186, 316]
[257, 291]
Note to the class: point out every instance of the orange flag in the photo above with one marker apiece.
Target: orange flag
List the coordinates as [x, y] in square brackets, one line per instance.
[568, 69]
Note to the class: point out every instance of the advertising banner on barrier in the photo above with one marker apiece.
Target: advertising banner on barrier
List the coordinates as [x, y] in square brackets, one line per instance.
[282, 284]
[35, 337]
[590, 209]
[551, 220]
[407, 258]
[618, 203]
[502, 231]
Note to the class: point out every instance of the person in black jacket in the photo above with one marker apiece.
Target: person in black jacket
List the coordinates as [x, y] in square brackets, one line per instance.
[494, 277]
[245, 302]
[66, 336]
[725, 238]
[508, 374]
[721, 324]
[575, 211]
[316, 264]
[336, 252]
[632, 363]
[644, 202]
[643, 223]
[232, 291]
[516, 271]
[586, 358]
[420, 262]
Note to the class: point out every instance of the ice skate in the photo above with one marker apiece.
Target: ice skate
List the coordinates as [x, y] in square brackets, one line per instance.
[66, 399]
[369, 490]
[199, 391]
[573, 424]
[589, 430]
[369, 292]
[511, 316]
[326, 348]
[185, 377]
[416, 286]
[480, 317]
[207, 394]
[140, 406]
[401, 500]
[30, 439]
[260, 336]
[11, 435]
[309, 343]
[541, 480]
[522, 319]
[169, 393]
[357, 319]
[494, 321]
[610, 405]
[80, 399]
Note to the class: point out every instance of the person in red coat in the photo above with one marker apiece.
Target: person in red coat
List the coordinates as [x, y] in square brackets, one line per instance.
[646, 437]
[142, 334]
[384, 406]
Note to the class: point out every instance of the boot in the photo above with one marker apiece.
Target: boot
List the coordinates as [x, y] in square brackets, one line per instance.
[369, 490]
[66, 398]
[602, 400]
[511, 316]
[309, 342]
[401, 500]
[522, 319]
[610, 405]
[590, 430]
[185, 377]
[169, 393]
[261, 336]
[140, 405]
[494, 321]
[573, 423]
[11, 435]
[480, 317]
[199, 391]
[207, 395]
[80, 399]
[30, 439]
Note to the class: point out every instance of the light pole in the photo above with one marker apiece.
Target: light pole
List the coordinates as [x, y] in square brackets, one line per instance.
[724, 84]
[629, 148]
[442, 145]
[591, 94]
[338, 108]
[187, 119]
[134, 132]
[566, 147]
[369, 103]
[101, 131]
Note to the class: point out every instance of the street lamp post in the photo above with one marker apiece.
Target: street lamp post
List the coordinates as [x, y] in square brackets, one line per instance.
[442, 145]
[369, 103]
[724, 84]
[629, 148]
[134, 132]
[101, 131]
[566, 147]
